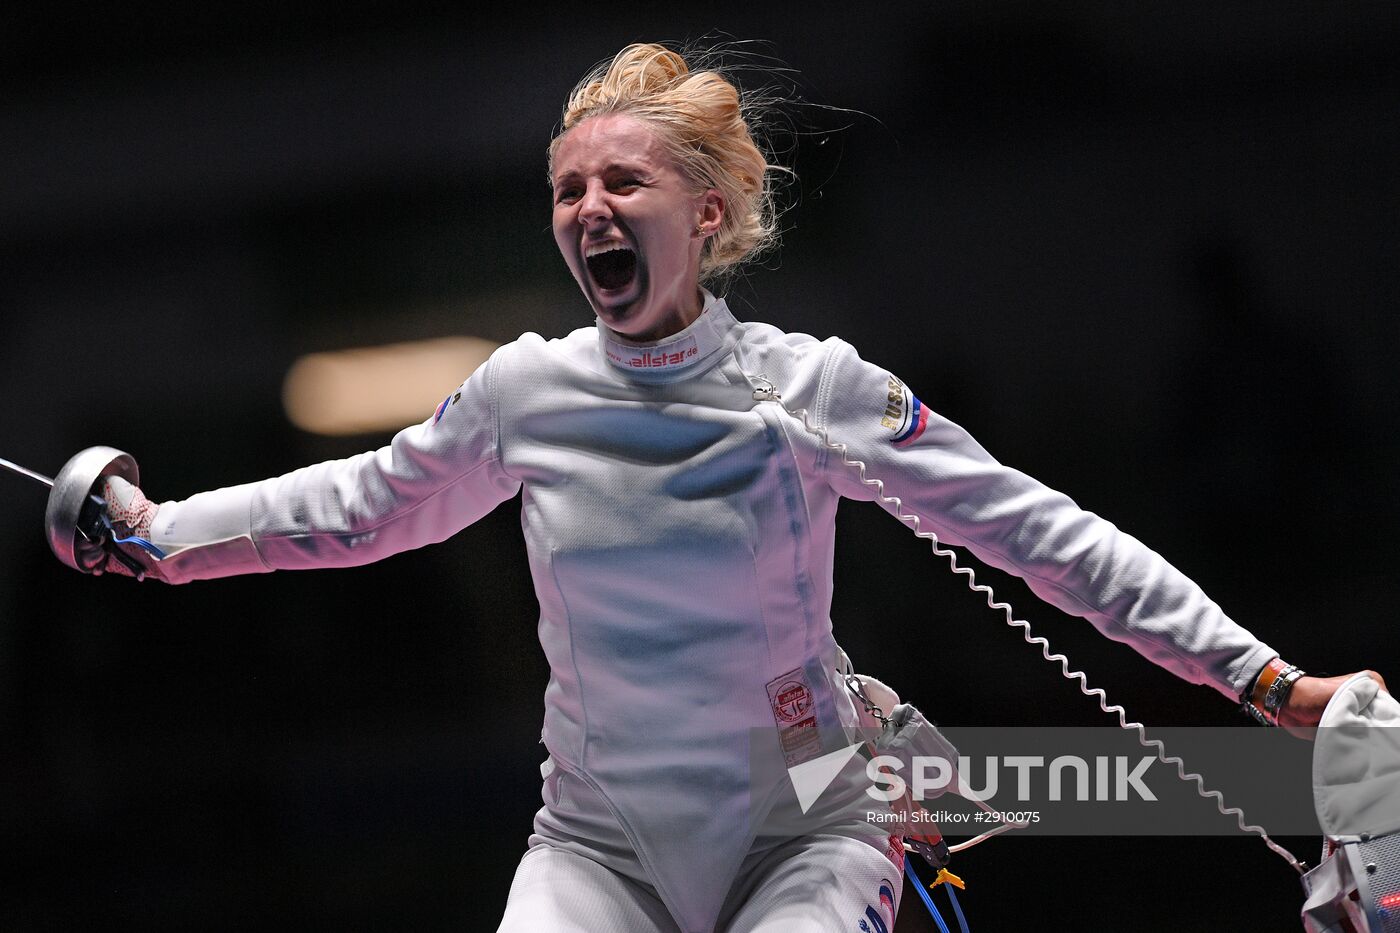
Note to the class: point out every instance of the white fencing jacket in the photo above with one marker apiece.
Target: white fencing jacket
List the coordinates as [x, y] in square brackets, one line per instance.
[680, 536]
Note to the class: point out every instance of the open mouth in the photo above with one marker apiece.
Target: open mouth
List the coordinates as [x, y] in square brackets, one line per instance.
[612, 266]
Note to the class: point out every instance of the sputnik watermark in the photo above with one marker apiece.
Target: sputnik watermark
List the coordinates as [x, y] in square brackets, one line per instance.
[1100, 778]
[1081, 780]
[931, 776]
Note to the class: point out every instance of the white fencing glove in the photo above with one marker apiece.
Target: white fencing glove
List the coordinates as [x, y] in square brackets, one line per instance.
[131, 514]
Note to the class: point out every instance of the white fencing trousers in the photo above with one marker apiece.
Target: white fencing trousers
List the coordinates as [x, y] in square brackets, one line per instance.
[566, 883]
[814, 884]
[560, 891]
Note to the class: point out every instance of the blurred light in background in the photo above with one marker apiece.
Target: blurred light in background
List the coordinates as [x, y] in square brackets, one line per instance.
[372, 389]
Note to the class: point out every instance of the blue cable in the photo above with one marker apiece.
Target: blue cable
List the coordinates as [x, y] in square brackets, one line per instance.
[142, 543]
[154, 551]
[928, 901]
[957, 908]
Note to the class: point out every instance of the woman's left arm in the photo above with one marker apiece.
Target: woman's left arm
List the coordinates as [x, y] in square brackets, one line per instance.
[1071, 558]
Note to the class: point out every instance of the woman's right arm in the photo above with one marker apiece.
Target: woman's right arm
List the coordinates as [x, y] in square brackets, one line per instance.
[429, 482]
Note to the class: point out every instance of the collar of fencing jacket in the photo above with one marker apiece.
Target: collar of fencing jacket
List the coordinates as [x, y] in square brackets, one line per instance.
[678, 356]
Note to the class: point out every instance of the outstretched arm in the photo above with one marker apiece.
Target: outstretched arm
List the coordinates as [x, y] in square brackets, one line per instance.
[430, 481]
[1072, 558]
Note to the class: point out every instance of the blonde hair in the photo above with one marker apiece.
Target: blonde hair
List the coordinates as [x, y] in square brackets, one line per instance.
[704, 121]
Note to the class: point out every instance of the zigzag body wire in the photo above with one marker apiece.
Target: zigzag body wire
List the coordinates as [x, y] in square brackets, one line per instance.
[768, 392]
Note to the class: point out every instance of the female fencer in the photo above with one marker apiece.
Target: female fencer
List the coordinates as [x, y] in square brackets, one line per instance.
[680, 524]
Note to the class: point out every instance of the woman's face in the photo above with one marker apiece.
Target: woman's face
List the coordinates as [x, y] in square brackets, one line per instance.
[630, 227]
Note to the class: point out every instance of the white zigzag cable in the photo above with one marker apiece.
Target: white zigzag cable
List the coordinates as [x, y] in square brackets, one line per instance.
[767, 391]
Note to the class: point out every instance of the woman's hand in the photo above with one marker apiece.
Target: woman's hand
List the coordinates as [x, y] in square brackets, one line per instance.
[131, 514]
[1308, 698]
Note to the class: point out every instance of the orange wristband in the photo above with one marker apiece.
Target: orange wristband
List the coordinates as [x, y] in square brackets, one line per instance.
[1265, 680]
[1255, 700]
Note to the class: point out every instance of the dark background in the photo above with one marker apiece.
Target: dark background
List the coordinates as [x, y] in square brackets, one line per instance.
[1145, 252]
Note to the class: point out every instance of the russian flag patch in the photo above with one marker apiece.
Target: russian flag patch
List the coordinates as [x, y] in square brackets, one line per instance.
[442, 409]
[904, 414]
